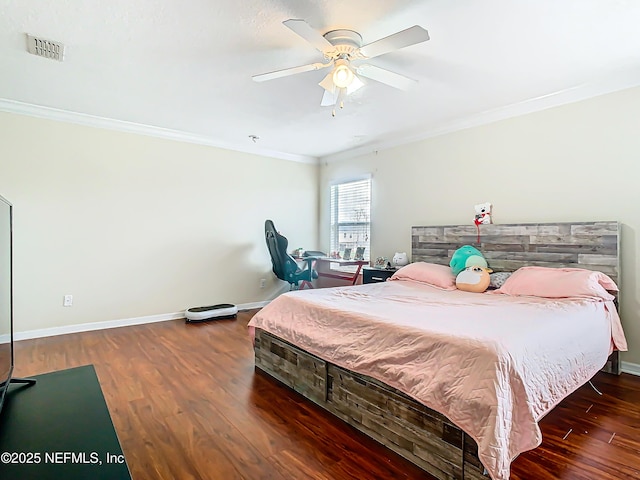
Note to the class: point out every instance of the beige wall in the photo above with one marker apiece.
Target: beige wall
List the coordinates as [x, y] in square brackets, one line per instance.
[133, 226]
[578, 162]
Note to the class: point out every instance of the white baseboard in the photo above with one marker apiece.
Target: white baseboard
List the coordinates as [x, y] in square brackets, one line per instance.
[632, 368]
[251, 306]
[126, 322]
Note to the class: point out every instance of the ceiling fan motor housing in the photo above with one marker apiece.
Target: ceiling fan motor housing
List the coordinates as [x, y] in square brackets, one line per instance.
[346, 43]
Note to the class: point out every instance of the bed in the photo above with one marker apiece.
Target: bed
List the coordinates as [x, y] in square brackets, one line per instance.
[429, 379]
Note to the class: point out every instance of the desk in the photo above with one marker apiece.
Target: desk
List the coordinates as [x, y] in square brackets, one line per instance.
[323, 267]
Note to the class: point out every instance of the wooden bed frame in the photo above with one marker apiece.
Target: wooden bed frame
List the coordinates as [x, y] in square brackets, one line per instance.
[416, 432]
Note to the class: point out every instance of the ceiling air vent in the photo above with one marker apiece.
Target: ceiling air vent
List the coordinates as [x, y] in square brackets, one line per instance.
[45, 48]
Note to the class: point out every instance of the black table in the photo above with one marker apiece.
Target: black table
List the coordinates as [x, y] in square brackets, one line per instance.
[59, 428]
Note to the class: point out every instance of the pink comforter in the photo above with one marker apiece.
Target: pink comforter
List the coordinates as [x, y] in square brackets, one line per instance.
[493, 364]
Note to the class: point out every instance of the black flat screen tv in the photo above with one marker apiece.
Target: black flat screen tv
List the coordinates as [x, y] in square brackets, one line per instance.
[6, 301]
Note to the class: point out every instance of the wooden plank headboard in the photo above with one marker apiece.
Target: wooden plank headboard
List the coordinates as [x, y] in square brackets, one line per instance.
[590, 245]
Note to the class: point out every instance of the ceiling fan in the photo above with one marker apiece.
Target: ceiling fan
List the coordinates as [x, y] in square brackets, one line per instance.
[341, 48]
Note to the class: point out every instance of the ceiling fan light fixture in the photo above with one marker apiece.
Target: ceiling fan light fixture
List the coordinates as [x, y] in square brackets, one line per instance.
[327, 83]
[342, 75]
[355, 85]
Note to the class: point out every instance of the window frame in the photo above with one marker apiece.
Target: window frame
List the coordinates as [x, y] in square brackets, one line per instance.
[334, 210]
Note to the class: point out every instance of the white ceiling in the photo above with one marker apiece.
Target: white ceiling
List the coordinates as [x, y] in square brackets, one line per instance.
[183, 68]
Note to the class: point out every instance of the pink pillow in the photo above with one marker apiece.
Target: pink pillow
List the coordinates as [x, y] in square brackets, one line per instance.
[439, 276]
[558, 283]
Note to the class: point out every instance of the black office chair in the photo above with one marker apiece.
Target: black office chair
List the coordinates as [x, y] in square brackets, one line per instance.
[284, 265]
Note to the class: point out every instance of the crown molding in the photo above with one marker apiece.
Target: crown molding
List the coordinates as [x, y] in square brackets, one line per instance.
[21, 108]
[626, 78]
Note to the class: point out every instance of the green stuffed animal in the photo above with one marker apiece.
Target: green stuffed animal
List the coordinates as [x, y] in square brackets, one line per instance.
[466, 256]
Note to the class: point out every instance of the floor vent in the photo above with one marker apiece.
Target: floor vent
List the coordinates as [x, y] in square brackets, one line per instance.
[45, 48]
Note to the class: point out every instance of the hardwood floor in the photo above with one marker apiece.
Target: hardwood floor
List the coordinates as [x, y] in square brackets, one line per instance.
[187, 404]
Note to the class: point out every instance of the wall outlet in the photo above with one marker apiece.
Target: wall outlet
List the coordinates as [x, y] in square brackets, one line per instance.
[263, 282]
[67, 301]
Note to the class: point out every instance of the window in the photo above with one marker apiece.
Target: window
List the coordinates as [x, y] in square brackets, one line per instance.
[351, 218]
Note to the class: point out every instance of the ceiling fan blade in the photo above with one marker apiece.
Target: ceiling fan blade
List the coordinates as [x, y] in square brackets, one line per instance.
[404, 38]
[289, 71]
[312, 36]
[385, 76]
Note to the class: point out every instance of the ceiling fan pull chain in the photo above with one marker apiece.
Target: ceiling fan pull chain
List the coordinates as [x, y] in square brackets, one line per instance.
[339, 100]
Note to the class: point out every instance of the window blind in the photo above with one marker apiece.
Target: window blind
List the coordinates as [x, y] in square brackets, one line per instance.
[351, 218]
